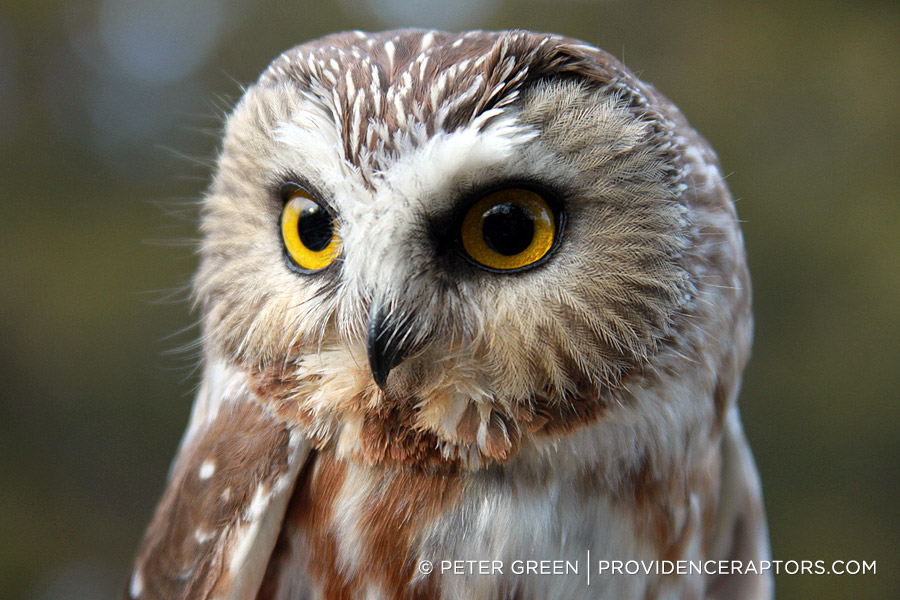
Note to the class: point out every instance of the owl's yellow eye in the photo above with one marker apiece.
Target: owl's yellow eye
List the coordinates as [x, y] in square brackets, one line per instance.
[509, 230]
[309, 233]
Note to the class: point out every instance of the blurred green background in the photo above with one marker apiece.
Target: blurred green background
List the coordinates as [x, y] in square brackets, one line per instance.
[109, 115]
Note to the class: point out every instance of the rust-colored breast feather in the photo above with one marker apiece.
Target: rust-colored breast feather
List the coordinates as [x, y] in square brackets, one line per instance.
[385, 512]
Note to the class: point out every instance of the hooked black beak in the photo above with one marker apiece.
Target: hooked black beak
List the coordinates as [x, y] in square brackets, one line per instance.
[384, 343]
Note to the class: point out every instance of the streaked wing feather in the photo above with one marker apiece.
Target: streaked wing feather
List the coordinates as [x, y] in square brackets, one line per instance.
[219, 517]
[741, 532]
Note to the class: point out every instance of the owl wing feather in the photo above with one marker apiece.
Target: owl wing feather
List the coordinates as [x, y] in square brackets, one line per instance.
[740, 531]
[227, 492]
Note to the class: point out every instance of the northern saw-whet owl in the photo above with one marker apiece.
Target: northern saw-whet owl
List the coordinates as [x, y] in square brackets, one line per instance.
[465, 297]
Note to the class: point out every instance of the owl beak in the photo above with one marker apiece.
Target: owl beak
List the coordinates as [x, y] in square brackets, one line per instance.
[384, 342]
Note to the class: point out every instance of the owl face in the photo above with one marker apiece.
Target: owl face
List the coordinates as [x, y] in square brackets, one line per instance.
[456, 244]
[479, 295]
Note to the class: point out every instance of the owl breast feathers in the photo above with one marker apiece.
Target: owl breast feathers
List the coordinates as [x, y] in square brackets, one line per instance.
[465, 297]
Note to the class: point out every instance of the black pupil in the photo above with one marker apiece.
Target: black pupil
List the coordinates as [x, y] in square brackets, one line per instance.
[507, 230]
[314, 227]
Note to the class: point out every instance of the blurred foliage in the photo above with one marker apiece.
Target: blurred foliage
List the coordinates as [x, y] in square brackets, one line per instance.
[98, 161]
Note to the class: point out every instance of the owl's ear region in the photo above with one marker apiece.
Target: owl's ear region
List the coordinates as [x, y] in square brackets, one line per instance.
[387, 341]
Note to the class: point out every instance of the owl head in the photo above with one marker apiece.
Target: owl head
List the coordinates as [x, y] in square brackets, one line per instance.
[437, 248]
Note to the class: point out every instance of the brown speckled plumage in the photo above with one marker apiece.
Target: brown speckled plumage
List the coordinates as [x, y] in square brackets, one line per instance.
[587, 403]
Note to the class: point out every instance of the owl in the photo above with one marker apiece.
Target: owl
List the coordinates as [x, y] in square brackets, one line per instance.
[475, 308]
